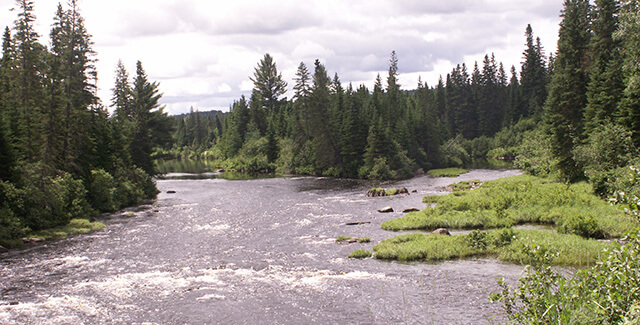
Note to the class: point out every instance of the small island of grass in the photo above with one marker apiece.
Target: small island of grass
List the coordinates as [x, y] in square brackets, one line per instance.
[447, 172]
[505, 244]
[517, 200]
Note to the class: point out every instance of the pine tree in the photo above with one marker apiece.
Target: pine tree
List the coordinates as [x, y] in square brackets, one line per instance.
[564, 109]
[606, 83]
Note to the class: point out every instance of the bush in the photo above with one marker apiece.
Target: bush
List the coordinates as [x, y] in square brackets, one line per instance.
[605, 294]
[102, 191]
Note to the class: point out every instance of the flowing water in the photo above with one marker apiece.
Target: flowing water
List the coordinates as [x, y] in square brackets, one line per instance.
[258, 251]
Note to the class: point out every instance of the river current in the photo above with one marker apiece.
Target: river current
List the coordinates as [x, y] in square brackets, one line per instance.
[258, 251]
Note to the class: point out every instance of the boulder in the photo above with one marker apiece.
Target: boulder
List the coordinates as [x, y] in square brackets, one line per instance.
[441, 231]
[386, 209]
[414, 191]
[410, 210]
[402, 191]
[376, 192]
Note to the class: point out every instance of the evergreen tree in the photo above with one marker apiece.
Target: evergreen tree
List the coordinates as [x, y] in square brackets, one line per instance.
[29, 57]
[606, 83]
[268, 82]
[629, 35]
[145, 113]
[533, 77]
[564, 109]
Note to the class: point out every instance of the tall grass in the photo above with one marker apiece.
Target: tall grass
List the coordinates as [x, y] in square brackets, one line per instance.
[505, 244]
[521, 200]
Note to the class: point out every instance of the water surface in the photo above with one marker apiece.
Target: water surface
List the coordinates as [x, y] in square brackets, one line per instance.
[256, 251]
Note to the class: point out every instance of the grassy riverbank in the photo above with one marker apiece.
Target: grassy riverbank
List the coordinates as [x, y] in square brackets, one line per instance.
[505, 244]
[74, 227]
[517, 200]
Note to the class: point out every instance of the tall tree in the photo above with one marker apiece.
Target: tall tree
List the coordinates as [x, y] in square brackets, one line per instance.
[29, 57]
[606, 82]
[629, 35]
[268, 82]
[533, 76]
[146, 113]
[564, 109]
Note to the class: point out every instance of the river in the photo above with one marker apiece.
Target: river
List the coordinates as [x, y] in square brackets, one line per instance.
[258, 251]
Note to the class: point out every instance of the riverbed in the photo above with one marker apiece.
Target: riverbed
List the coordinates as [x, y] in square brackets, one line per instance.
[259, 251]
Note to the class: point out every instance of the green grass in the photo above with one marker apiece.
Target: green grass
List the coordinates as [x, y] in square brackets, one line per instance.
[361, 253]
[343, 238]
[505, 244]
[447, 172]
[521, 200]
[75, 227]
[364, 240]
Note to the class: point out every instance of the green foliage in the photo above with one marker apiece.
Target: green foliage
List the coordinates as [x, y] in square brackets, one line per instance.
[607, 148]
[364, 240]
[521, 200]
[360, 253]
[607, 293]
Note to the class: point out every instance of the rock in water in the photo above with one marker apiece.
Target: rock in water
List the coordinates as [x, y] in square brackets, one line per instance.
[410, 210]
[171, 192]
[441, 231]
[386, 209]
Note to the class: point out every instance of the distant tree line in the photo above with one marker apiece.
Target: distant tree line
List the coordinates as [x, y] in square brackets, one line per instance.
[62, 155]
[380, 133]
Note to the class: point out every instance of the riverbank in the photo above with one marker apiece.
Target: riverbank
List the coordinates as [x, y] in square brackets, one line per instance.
[75, 227]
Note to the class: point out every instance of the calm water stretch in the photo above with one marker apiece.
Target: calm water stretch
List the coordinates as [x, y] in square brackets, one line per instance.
[258, 251]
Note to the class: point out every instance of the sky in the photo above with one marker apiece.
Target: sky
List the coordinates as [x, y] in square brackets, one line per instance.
[204, 52]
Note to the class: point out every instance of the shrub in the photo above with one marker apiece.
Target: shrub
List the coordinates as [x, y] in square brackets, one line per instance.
[102, 190]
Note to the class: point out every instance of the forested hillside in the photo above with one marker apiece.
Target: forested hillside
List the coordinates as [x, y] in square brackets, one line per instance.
[62, 156]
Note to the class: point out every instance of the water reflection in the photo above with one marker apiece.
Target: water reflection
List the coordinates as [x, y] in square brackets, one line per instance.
[186, 169]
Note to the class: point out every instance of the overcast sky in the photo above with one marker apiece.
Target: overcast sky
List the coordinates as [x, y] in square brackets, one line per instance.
[202, 52]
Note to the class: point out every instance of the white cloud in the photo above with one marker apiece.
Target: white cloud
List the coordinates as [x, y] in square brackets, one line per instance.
[203, 52]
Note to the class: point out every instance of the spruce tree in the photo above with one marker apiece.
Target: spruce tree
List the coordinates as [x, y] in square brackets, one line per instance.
[564, 109]
[606, 81]
[268, 82]
[629, 35]
[533, 76]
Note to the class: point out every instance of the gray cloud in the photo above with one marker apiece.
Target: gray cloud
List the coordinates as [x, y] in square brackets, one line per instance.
[203, 52]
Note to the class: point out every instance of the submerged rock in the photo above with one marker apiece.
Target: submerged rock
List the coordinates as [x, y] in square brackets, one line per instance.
[374, 192]
[171, 192]
[410, 210]
[441, 231]
[386, 209]
[33, 240]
